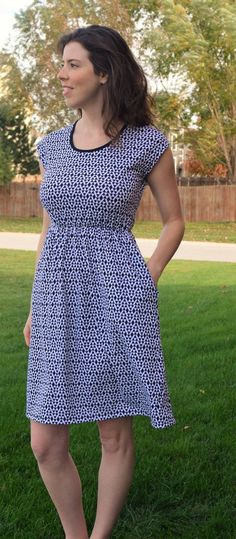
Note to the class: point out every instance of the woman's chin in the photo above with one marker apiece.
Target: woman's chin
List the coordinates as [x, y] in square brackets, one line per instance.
[72, 104]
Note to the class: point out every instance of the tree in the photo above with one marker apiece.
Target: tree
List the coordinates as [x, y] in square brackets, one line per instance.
[39, 26]
[193, 41]
[197, 40]
[12, 85]
[6, 168]
[16, 134]
[16, 146]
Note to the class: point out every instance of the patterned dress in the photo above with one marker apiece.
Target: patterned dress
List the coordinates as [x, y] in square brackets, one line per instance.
[95, 350]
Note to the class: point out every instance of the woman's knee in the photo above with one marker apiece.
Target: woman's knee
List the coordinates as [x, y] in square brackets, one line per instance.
[116, 434]
[49, 441]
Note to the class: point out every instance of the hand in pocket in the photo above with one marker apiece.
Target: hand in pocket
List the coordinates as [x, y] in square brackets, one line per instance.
[27, 330]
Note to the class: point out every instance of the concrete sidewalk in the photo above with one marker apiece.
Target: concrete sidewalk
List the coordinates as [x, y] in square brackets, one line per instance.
[188, 250]
[195, 250]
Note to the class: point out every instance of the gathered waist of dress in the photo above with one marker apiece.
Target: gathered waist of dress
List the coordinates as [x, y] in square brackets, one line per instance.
[100, 226]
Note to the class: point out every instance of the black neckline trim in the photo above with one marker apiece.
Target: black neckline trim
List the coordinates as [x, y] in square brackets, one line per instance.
[90, 149]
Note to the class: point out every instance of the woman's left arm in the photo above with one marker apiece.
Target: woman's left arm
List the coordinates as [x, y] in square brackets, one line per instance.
[163, 184]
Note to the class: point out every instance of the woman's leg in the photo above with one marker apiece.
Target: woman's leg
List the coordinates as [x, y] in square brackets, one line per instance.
[50, 445]
[115, 473]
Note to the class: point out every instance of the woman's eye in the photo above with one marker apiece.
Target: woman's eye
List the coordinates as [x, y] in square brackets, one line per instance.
[72, 65]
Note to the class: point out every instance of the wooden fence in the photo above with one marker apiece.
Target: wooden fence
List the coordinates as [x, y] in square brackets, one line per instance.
[199, 203]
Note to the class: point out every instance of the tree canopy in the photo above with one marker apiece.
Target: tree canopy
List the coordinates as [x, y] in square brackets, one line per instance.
[197, 40]
[193, 41]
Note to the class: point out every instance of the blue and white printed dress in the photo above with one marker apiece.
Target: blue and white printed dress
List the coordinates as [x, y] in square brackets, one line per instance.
[95, 350]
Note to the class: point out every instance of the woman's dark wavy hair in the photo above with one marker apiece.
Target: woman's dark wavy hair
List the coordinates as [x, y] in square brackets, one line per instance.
[126, 96]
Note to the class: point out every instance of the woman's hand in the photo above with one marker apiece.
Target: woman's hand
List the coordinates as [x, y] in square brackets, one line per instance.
[27, 330]
[154, 271]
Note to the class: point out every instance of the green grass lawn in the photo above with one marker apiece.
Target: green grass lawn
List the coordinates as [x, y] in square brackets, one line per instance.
[202, 231]
[184, 480]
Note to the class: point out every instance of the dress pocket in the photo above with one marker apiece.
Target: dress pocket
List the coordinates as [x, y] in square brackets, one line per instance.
[149, 278]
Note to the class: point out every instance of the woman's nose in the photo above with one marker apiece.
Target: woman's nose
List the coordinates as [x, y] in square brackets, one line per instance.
[61, 74]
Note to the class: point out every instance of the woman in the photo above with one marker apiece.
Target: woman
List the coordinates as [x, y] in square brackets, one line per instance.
[93, 329]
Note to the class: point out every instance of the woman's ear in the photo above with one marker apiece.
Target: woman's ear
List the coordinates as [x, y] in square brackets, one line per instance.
[104, 78]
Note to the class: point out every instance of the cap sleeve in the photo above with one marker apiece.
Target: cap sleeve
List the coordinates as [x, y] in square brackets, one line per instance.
[41, 149]
[157, 144]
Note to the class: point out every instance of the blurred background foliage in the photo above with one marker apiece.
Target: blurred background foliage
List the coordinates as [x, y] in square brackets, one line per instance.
[188, 52]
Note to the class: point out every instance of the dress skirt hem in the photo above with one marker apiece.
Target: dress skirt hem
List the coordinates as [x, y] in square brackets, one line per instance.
[97, 417]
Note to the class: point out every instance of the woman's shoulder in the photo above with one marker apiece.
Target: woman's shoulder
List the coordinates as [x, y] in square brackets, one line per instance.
[149, 136]
[150, 143]
[51, 143]
[148, 130]
[56, 134]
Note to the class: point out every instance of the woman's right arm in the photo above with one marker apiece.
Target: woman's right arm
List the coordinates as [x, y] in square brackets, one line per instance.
[46, 224]
[42, 237]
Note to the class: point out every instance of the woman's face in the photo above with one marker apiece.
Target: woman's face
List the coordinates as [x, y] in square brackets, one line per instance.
[80, 84]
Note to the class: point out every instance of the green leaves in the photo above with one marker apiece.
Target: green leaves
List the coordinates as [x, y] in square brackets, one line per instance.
[188, 48]
[197, 40]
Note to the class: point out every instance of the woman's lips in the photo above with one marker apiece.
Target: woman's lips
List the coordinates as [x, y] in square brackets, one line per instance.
[66, 90]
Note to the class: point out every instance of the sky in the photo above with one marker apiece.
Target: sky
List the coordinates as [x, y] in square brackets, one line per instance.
[7, 10]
